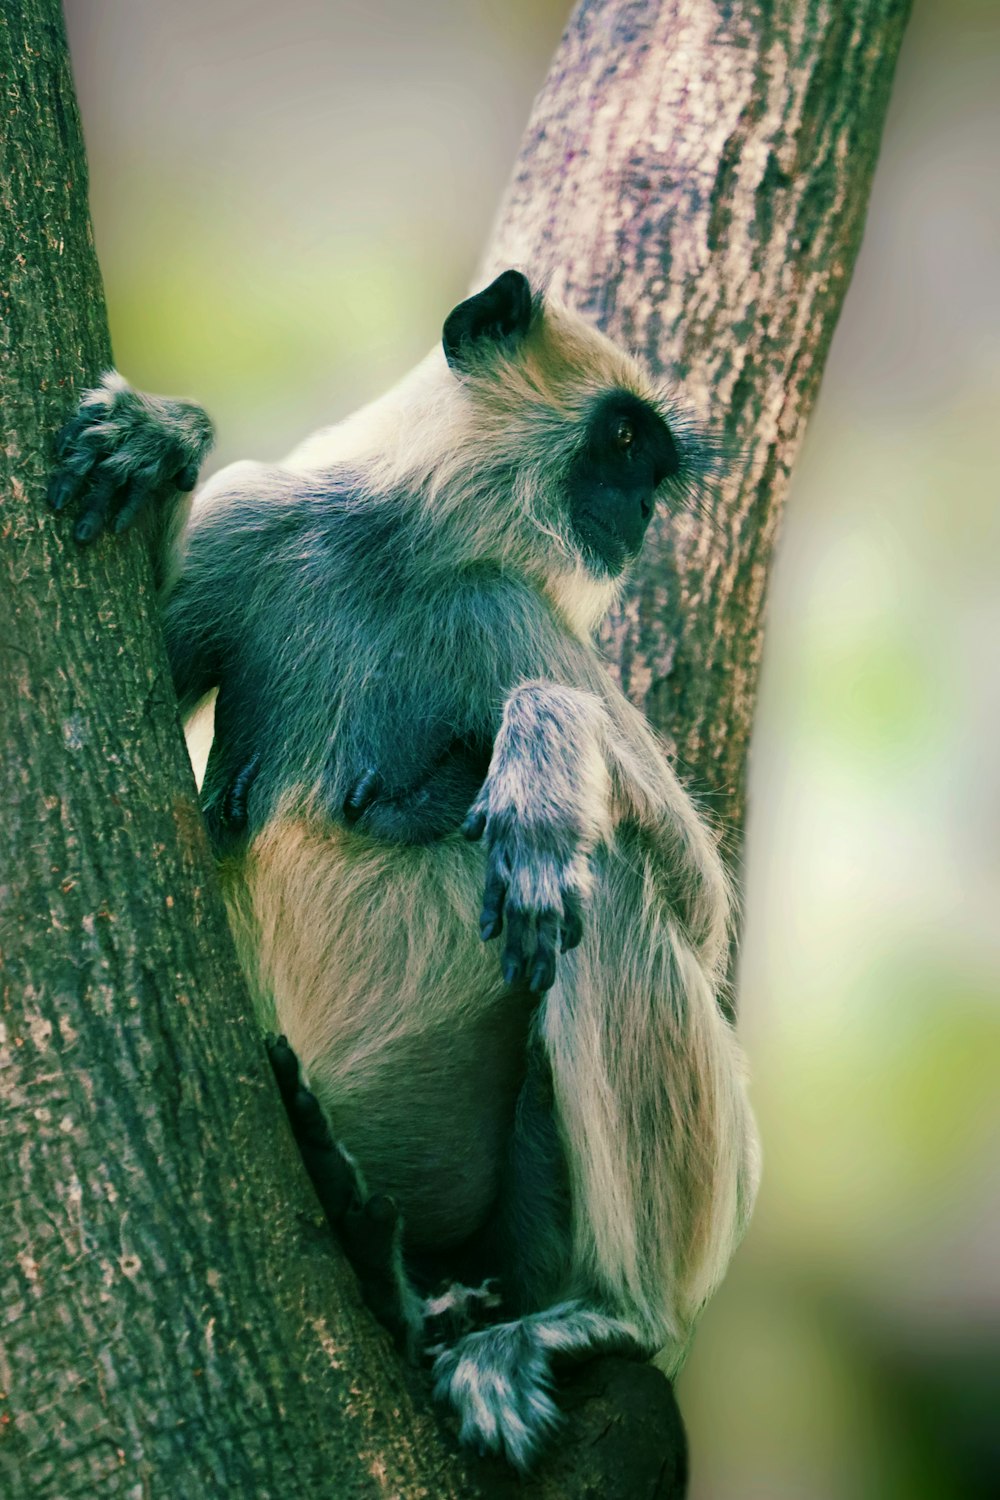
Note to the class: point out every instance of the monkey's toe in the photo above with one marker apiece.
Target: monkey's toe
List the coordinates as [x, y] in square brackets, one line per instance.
[284, 1065]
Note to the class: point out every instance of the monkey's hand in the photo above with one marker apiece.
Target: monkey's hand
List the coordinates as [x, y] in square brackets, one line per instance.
[123, 449]
[428, 806]
[537, 875]
[227, 816]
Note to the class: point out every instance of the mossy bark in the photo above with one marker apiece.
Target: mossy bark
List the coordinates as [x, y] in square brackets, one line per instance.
[175, 1320]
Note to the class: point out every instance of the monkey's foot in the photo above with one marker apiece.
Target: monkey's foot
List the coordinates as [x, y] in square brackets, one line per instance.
[457, 1310]
[499, 1380]
[368, 1225]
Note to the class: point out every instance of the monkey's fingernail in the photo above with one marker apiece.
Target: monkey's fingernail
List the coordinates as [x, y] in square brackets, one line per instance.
[543, 977]
[60, 490]
[363, 793]
[87, 528]
[489, 927]
[510, 968]
[474, 826]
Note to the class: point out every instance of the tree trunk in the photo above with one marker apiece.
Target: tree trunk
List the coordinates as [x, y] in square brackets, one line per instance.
[175, 1318]
[694, 178]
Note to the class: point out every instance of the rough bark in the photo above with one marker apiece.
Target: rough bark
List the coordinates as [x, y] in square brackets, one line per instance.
[174, 1318]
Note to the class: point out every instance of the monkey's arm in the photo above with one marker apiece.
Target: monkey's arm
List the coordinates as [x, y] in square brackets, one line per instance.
[416, 745]
[545, 805]
[568, 766]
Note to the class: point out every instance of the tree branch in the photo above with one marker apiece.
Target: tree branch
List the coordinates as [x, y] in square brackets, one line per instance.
[695, 177]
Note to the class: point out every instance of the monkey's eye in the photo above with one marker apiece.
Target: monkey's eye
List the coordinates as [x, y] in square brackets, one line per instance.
[624, 435]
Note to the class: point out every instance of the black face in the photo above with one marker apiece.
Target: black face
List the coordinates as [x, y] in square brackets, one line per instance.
[628, 454]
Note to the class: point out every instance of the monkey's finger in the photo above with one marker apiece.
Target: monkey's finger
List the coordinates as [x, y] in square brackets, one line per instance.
[72, 434]
[175, 470]
[64, 487]
[105, 485]
[572, 923]
[543, 968]
[187, 478]
[140, 490]
[518, 946]
[475, 824]
[62, 443]
[494, 896]
[78, 455]
[363, 793]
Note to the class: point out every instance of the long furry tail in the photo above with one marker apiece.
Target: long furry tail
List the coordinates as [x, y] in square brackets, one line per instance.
[499, 1381]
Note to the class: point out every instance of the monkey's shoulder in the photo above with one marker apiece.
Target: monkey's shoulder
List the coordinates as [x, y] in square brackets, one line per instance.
[298, 528]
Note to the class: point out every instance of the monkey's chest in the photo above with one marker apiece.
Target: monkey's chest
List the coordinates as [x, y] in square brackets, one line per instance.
[368, 958]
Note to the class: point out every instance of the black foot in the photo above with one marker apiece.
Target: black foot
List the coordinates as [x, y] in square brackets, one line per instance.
[368, 1225]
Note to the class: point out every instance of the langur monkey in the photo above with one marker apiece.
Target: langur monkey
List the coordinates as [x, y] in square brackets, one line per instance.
[414, 726]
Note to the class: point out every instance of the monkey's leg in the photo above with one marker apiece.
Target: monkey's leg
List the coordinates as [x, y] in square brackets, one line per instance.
[523, 1250]
[368, 1225]
[527, 1243]
[498, 1380]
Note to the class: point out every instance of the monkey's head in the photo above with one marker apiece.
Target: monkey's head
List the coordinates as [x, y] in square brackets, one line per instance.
[568, 411]
[538, 444]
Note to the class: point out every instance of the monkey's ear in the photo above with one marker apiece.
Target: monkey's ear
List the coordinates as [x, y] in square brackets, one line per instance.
[501, 312]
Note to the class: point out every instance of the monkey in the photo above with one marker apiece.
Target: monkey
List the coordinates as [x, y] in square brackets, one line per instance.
[546, 1110]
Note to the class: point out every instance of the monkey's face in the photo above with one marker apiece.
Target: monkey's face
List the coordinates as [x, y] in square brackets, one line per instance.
[628, 452]
[554, 403]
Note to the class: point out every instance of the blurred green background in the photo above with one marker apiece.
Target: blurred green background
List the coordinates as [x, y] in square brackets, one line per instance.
[286, 199]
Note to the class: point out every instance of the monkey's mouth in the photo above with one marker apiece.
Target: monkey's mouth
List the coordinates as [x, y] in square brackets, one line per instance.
[604, 550]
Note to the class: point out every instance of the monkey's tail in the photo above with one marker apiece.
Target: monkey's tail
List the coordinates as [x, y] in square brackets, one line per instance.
[651, 1101]
[498, 1381]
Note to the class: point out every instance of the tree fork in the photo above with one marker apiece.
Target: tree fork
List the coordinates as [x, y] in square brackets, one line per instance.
[175, 1320]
